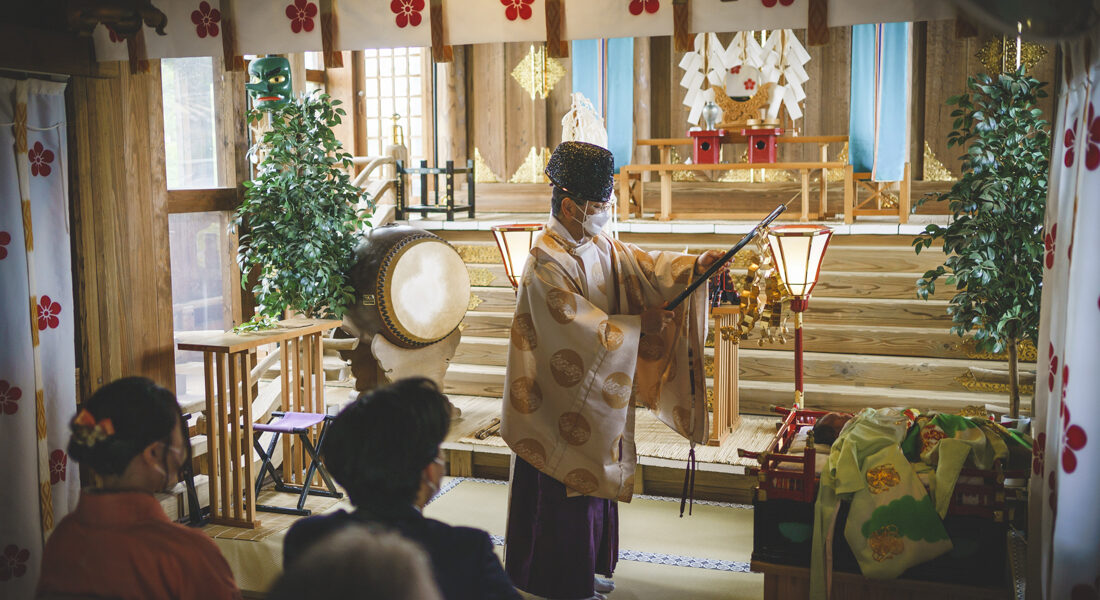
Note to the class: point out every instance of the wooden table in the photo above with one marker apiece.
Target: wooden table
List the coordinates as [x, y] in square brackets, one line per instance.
[228, 374]
[666, 167]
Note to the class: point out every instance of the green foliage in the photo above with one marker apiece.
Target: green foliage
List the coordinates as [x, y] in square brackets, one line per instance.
[300, 213]
[994, 242]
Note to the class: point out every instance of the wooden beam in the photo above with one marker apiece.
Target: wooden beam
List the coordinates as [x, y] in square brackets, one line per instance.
[25, 48]
[918, 98]
[191, 201]
[358, 112]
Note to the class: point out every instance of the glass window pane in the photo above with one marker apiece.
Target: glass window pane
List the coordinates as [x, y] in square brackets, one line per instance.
[400, 87]
[371, 69]
[385, 52]
[400, 66]
[372, 88]
[201, 283]
[190, 136]
[385, 67]
[387, 107]
[414, 64]
[372, 107]
[373, 128]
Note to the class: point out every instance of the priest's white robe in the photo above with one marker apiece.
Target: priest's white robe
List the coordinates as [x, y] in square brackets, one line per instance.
[578, 362]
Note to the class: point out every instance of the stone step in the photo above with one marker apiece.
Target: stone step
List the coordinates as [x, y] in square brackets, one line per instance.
[777, 365]
[758, 397]
[837, 311]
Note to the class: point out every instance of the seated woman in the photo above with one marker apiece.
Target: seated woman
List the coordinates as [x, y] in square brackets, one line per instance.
[118, 543]
[383, 449]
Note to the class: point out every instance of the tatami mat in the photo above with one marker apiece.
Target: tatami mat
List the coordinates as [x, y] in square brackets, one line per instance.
[702, 556]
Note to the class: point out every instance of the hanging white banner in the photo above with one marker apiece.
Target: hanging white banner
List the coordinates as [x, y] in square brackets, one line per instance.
[592, 19]
[383, 24]
[489, 21]
[278, 26]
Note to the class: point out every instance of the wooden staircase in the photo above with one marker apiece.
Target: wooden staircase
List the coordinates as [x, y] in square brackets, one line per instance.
[869, 340]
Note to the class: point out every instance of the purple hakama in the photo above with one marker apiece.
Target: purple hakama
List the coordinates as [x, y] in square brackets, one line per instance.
[556, 544]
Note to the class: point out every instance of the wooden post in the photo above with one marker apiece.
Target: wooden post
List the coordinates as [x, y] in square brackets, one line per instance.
[823, 156]
[849, 196]
[904, 198]
[805, 195]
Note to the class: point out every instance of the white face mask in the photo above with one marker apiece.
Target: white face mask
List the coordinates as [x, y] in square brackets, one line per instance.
[594, 223]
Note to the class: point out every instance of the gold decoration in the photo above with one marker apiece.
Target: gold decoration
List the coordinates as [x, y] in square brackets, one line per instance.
[762, 296]
[482, 172]
[886, 543]
[882, 478]
[974, 411]
[537, 73]
[990, 381]
[533, 167]
[1025, 351]
[708, 365]
[481, 277]
[734, 113]
[478, 254]
[835, 175]
[933, 168]
[998, 55]
[676, 159]
[745, 176]
[475, 301]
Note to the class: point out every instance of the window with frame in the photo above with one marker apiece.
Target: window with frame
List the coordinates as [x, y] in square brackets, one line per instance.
[200, 246]
[395, 85]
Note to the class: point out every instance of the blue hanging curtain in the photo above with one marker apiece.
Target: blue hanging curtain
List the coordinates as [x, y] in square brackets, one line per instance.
[604, 73]
[878, 124]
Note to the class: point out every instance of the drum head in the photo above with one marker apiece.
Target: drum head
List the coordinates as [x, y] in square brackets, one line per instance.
[428, 290]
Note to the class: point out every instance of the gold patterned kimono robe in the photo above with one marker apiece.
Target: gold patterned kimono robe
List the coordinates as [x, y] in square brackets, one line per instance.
[578, 363]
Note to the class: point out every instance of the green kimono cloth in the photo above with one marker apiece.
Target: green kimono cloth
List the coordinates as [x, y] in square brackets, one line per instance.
[892, 524]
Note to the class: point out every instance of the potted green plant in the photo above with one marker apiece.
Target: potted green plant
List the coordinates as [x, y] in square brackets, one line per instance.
[300, 212]
[994, 242]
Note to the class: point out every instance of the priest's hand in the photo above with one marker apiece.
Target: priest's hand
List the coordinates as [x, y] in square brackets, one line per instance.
[654, 320]
[707, 259]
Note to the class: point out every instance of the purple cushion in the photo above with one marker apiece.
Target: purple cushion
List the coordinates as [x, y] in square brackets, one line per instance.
[291, 422]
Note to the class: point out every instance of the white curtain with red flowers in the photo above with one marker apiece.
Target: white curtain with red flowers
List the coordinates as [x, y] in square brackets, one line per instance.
[1064, 522]
[38, 484]
[196, 27]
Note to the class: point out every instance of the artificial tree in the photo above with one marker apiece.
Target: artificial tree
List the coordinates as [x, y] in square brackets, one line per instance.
[994, 242]
[300, 212]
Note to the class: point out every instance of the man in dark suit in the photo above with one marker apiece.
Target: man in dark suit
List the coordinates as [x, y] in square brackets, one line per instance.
[383, 449]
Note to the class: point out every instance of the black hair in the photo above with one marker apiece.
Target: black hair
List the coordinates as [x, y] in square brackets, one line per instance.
[556, 196]
[824, 434]
[140, 412]
[378, 445]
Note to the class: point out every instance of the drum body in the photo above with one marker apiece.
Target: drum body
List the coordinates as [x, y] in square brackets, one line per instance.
[410, 286]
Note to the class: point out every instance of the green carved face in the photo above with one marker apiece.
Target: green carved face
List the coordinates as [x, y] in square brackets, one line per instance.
[269, 82]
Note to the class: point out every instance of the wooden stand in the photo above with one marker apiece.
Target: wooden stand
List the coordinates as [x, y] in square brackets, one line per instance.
[726, 415]
[630, 203]
[229, 398]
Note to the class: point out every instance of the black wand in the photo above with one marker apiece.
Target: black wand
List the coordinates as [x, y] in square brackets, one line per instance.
[672, 304]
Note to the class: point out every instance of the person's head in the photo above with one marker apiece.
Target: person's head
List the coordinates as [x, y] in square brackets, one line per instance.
[383, 448]
[583, 178]
[358, 562]
[828, 427]
[130, 433]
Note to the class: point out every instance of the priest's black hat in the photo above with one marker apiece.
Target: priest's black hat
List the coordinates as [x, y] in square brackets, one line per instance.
[583, 170]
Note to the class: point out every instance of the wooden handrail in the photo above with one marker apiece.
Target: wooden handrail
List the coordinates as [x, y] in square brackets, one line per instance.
[372, 163]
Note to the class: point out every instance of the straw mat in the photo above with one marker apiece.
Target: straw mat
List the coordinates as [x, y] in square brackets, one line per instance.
[652, 437]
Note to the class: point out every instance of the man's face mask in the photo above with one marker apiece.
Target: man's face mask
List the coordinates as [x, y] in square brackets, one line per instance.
[595, 218]
[269, 82]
